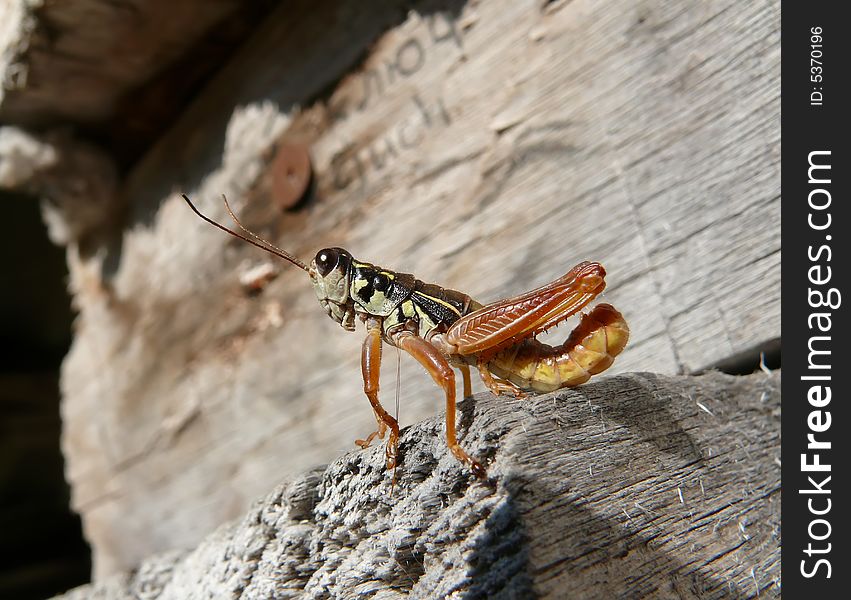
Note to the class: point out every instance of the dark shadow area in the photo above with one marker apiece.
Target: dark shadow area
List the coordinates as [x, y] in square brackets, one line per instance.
[765, 355]
[570, 549]
[590, 557]
[540, 533]
[500, 562]
[647, 413]
[42, 550]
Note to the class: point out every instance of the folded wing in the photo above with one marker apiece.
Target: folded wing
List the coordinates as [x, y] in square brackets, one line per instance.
[509, 321]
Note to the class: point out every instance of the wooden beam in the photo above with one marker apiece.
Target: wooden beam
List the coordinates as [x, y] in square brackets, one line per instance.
[639, 486]
[117, 72]
[487, 147]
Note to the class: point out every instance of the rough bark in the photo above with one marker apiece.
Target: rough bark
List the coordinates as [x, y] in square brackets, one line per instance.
[638, 486]
[484, 146]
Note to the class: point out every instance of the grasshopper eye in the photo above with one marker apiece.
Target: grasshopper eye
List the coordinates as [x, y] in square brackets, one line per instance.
[326, 260]
[380, 282]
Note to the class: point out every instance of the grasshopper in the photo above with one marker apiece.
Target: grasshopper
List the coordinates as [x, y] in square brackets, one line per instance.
[443, 328]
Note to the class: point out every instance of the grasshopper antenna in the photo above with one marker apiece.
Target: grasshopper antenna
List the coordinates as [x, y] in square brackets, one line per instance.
[265, 245]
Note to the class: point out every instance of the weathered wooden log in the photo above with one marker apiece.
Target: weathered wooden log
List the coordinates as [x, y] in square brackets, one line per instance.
[86, 87]
[638, 486]
[484, 146]
[117, 71]
[75, 181]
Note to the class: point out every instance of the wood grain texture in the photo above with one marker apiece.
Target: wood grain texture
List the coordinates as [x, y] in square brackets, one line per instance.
[74, 61]
[638, 486]
[115, 71]
[487, 147]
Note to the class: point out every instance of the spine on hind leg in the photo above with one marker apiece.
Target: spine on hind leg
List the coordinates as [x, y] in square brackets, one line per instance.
[591, 348]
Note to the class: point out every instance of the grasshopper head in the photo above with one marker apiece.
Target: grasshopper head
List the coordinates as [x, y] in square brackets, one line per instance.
[330, 273]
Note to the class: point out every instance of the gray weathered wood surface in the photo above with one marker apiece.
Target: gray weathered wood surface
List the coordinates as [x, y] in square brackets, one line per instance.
[114, 70]
[639, 486]
[486, 146]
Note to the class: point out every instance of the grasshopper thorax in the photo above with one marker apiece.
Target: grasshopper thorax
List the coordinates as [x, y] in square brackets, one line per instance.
[330, 273]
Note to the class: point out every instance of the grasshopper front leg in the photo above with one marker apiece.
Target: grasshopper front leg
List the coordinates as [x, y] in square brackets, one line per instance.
[371, 370]
[437, 366]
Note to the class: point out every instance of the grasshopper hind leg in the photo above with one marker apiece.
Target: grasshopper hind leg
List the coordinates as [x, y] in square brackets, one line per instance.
[495, 385]
[437, 366]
